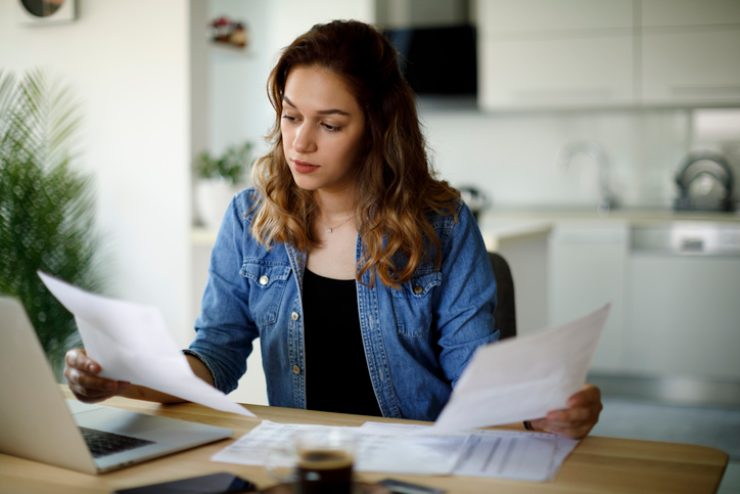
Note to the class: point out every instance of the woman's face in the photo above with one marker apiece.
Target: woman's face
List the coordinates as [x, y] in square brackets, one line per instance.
[322, 127]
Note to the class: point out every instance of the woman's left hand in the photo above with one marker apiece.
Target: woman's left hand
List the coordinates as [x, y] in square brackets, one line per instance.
[578, 419]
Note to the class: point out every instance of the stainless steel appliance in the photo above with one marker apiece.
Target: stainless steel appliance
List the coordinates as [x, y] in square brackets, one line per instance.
[705, 183]
[682, 298]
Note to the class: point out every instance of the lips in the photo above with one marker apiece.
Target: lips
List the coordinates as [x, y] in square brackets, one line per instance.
[304, 167]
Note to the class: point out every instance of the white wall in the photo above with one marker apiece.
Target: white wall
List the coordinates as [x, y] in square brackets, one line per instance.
[514, 158]
[237, 98]
[128, 65]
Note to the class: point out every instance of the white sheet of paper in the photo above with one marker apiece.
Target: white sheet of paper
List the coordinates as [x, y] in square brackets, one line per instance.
[131, 342]
[417, 449]
[383, 452]
[255, 447]
[390, 448]
[534, 456]
[525, 377]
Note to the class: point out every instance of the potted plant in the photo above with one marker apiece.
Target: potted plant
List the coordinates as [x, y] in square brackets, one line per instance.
[46, 207]
[218, 179]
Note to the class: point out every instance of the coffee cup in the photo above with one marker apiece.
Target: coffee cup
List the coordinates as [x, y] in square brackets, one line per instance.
[318, 460]
[324, 461]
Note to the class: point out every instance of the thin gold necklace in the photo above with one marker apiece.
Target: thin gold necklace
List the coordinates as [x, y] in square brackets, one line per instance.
[330, 229]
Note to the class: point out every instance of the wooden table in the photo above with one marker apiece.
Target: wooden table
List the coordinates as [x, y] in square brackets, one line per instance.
[598, 464]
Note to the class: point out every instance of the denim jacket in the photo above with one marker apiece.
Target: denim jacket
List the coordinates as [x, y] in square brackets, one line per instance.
[417, 339]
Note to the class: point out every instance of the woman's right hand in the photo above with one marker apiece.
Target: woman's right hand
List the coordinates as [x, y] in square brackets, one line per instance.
[83, 378]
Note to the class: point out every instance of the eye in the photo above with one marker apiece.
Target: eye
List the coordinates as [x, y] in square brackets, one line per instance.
[289, 118]
[331, 128]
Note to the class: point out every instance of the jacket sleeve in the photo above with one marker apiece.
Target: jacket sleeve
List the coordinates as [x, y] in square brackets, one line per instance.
[225, 330]
[468, 296]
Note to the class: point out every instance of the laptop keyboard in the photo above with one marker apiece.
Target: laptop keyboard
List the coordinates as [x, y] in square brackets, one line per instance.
[103, 443]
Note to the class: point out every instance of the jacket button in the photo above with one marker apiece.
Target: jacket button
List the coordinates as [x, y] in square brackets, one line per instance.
[294, 315]
[418, 290]
[296, 370]
[264, 279]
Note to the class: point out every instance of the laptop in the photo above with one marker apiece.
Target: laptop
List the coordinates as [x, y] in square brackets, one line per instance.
[38, 423]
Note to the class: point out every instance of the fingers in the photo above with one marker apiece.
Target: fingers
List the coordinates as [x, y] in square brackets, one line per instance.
[587, 395]
[82, 377]
[77, 358]
[580, 416]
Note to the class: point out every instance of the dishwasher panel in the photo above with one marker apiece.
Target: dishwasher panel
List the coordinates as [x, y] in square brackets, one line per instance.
[683, 300]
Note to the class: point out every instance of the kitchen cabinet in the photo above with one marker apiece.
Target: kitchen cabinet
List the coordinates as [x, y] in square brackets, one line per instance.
[554, 73]
[689, 52]
[550, 17]
[673, 280]
[570, 54]
[684, 13]
[587, 260]
[565, 53]
[524, 245]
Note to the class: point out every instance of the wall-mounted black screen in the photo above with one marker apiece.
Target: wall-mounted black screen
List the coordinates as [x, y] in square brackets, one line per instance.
[440, 61]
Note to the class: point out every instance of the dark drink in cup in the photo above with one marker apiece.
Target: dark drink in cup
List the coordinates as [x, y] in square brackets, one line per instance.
[324, 471]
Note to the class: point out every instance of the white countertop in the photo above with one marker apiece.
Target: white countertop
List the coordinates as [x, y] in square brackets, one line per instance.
[632, 215]
[497, 229]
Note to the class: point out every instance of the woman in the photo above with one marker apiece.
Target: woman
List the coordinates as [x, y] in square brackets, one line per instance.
[365, 279]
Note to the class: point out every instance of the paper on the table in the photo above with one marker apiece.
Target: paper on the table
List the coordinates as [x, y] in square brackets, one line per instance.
[390, 448]
[131, 342]
[535, 456]
[254, 447]
[381, 452]
[416, 449]
[525, 377]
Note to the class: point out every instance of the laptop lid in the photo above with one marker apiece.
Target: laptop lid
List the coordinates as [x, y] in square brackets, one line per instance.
[36, 422]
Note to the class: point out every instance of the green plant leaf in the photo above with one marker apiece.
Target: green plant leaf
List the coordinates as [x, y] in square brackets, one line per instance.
[46, 206]
[231, 166]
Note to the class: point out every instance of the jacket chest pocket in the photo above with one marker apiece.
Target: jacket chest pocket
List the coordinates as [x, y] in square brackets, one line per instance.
[413, 304]
[267, 284]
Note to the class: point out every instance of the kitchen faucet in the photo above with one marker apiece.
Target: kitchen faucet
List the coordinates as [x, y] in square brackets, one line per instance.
[594, 150]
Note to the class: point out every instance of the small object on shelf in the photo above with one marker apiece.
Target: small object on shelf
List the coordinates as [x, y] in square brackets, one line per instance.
[238, 36]
[229, 32]
[218, 179]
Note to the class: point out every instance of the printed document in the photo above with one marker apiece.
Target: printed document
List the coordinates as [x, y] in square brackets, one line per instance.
[417, 449]
[523, 378]
[131, 342]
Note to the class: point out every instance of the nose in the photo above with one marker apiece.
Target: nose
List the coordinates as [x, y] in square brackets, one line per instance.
[304, 140]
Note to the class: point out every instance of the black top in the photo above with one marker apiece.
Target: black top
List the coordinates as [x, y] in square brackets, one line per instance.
[337, 379]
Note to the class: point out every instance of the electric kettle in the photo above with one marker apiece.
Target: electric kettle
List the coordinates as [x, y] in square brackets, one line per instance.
[705, 183]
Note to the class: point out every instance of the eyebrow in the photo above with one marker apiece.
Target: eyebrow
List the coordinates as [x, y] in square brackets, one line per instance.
[331, 111]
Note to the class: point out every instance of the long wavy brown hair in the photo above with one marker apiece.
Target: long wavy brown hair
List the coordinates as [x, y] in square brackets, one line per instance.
[398, 191]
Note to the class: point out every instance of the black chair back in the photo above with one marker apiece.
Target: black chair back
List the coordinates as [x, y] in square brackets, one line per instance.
[505, 312]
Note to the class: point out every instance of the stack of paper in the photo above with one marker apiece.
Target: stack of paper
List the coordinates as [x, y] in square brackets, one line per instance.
[414, 449]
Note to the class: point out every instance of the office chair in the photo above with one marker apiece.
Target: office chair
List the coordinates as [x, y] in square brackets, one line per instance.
[505, 312]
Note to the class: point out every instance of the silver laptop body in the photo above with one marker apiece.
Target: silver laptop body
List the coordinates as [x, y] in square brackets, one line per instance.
[36, 422]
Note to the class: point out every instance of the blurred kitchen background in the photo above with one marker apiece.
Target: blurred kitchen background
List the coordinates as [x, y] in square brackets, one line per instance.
[599, 140]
